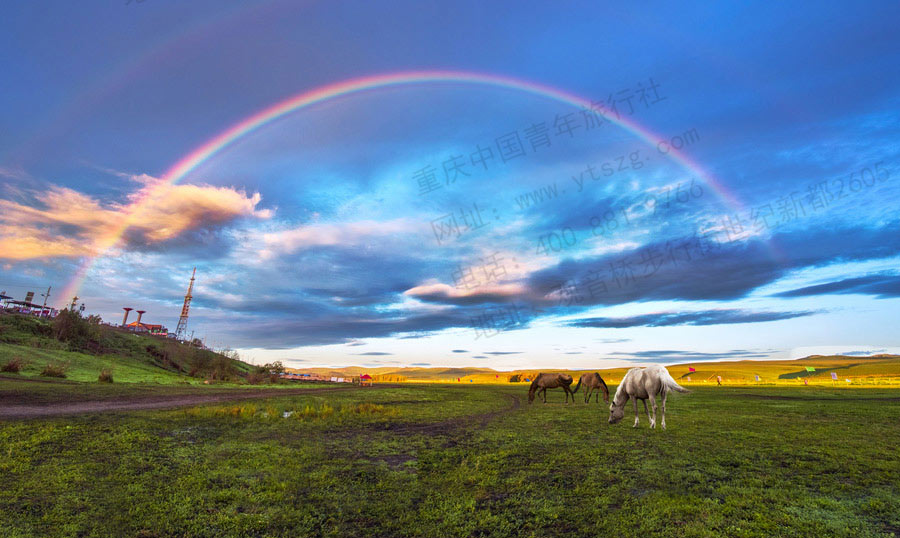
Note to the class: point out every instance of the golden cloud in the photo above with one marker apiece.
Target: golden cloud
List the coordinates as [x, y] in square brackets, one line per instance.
[68, 223]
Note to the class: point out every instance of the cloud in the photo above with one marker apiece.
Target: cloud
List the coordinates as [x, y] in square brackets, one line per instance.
[460, 351]
[688, 269]
[445, 294]
[881, 285]
[289, 241]
[62, 222]
[375, 353]
[503, 352]
[705, 317]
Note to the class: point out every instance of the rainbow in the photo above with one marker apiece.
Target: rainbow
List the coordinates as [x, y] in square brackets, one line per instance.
[324, 93]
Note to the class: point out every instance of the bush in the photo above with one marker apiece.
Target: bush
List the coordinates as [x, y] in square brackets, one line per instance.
[13, 366]
[105, 376]
[81, 334]
[54, 370]
[255, 378]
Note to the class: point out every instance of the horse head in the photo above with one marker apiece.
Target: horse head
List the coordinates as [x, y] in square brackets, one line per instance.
[616, 413]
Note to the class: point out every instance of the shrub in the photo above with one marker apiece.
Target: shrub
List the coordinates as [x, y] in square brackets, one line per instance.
[255, 378]
[13, 366]
[54, 370]
[81, 334]
[105, 376]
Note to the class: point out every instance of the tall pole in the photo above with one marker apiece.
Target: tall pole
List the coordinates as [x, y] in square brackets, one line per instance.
[125, 319]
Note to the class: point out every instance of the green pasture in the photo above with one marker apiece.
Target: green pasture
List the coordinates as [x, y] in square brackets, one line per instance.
[474, 460]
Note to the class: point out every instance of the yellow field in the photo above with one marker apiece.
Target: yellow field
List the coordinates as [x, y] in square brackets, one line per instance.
[875, 371]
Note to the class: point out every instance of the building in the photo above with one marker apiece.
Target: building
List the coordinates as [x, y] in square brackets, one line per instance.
[148, 328]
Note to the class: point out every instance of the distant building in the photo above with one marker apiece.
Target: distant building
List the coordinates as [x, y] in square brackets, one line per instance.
[149, 328]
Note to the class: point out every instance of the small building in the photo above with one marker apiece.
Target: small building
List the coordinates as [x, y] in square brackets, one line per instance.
[365, 380]
[149, 328]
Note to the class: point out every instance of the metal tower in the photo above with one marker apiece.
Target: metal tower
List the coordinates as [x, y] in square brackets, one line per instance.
[182, 321]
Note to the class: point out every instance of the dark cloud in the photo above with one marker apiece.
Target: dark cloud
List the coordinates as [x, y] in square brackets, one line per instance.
[375, 353]
[881, 285]
[695, 270]
[503, 352]
[460, 351]
[706, 317]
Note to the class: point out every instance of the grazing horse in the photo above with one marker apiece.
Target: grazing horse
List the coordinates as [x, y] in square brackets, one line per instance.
[591, 382]
[643, 384]
[550, 381]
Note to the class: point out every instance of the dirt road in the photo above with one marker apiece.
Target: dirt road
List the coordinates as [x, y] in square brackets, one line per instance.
[9, 409]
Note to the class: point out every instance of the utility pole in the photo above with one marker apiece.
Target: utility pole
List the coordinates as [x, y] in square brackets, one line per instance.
[46, 296]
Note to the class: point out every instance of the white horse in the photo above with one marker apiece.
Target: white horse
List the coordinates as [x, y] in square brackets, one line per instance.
[643, 384]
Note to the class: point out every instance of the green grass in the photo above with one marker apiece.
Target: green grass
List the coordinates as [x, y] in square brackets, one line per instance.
[132, 358]
[83, 367]
[435, 460]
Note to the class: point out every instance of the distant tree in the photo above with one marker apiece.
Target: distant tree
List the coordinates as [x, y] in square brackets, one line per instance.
[514, 378]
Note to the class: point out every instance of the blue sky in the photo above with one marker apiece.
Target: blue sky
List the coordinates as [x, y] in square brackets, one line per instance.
[316, 243]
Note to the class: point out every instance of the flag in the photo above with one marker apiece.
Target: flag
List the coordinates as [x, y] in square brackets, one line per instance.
[810, 369]
[757, 377]
[688, 378]
[847, 380]
[806, 381]
[526, 380]
[691, 369]
[457, 380]
[834, 376]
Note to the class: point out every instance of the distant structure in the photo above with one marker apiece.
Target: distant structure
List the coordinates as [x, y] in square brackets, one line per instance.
[125, 319]
[181, 330]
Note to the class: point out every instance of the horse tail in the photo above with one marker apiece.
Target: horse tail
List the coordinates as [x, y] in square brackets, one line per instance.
[578, 386]
[669, 382]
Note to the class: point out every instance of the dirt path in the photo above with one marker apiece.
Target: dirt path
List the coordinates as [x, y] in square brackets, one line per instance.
[141, 402]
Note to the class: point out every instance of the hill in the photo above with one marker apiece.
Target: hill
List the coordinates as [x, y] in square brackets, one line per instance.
[877, 369]
[84, 347]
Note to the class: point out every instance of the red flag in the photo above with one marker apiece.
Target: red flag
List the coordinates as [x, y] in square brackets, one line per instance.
[691, 369]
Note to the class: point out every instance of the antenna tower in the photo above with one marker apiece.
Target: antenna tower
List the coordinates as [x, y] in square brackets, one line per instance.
[182, 321]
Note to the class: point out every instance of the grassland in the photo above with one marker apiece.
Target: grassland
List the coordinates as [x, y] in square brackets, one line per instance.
[462, 460]
[879, 370]
[132, 358]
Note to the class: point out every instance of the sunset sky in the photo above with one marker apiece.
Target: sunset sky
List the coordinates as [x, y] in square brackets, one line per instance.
[478, 184]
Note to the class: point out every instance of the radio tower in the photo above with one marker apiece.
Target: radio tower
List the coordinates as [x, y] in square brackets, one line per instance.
[182, 321]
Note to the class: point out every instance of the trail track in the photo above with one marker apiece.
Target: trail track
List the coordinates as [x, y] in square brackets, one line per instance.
[141, 402]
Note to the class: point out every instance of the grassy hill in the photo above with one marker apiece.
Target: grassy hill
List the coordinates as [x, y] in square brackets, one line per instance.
[91, 348]
[878, 369]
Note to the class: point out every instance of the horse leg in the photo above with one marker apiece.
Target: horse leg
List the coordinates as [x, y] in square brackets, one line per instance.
[544, 393]
[597, 398]
[637, 418]
[664, 394]
[653, 406]
[587, 394]
[648, 413]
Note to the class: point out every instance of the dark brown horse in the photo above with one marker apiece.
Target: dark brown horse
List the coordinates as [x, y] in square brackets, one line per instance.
[592, 381]
[550, 381]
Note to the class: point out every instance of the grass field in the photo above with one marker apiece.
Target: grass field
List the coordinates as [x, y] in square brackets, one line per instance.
[472, 460]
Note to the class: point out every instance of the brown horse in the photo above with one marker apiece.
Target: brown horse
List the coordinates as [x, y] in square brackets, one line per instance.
[592, 381]
[550, 381]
